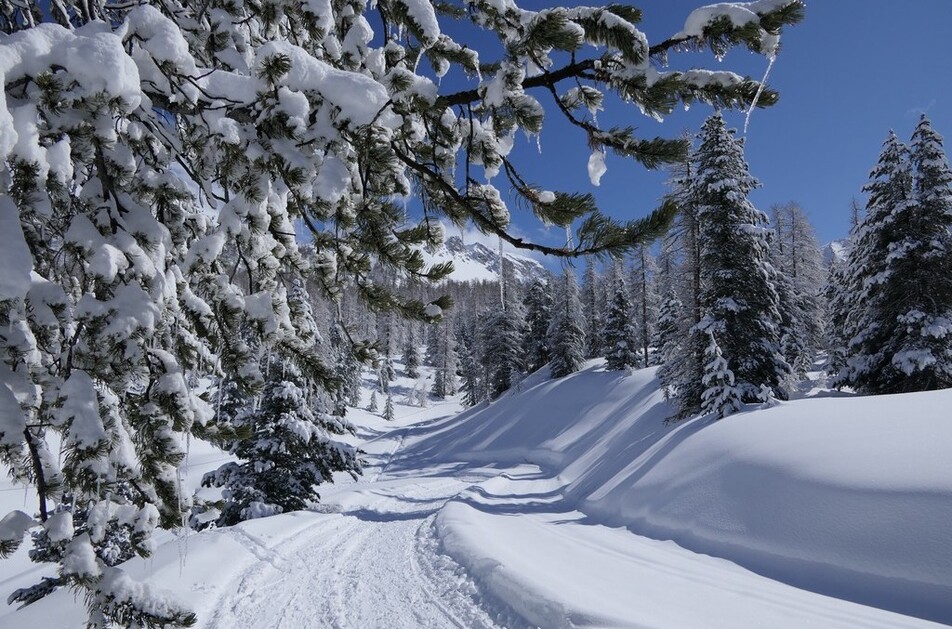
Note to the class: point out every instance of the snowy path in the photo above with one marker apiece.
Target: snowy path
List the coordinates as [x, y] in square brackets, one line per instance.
[372, 560]
[367, 569]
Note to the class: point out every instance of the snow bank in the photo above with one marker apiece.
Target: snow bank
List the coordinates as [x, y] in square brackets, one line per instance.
[849, 497]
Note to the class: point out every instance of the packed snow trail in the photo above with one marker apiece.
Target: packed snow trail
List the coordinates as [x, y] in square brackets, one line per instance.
[366, 569]
[371, 560]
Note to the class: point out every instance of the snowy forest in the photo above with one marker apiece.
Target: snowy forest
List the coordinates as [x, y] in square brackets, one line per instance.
[234, 315]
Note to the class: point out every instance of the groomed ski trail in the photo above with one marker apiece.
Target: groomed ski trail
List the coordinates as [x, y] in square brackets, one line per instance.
[374, 563]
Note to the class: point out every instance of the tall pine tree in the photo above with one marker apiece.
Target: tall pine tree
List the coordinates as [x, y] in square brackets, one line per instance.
[738, 297]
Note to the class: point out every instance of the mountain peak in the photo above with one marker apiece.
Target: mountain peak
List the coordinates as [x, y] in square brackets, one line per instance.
[476, 262]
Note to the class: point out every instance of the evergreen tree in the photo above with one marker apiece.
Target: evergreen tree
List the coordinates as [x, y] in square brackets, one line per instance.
[721, 396]
[900, 336]
[472, 383]
[432, 353]
[567, 328]
[288, 453]
[411, 355]
[372, 407]
[346, 372]
[738, 297]
[869, 323]
[921, 296]
[388, 408]
[502, 333]
[538, 306]
[619, 340]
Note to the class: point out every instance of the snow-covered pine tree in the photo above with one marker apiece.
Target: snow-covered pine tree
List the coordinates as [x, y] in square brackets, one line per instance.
[620, 343]
[721, 397]
[472, 383]
[645, 300]
[738, 296]
[920, 290]
[372, 406]
[346, 391]
[309, 114]
[670, 339]
[289, 452]
[502, 335]
[870, 322]
[388, 408]
[411, 354]
[538, 306]
[567, 328]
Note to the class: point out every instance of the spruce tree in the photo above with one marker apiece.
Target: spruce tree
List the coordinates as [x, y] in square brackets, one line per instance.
[621, 350]
[502, 333]
[921, 293]
[567, 328]
[411, 355]
[738, 297]
[721, 397]
[871, 321]
[388, 408]
[372, 406]
[289, 452]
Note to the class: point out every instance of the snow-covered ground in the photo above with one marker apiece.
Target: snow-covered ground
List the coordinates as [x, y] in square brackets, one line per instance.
[571, 503]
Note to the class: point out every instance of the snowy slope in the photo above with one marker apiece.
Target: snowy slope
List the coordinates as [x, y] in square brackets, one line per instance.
[555, 506]
[849, 497]
[475, 262]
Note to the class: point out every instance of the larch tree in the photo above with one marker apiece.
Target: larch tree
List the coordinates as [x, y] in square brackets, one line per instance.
[538, 306]
[567, 328]
[158, 158]
[796, 256]
[645, 299]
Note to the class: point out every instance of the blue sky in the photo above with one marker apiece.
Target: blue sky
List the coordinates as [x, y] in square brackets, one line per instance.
[853, 70]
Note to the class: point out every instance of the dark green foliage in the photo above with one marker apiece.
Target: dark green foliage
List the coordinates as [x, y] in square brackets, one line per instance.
[538, 307]
[619, 333]
[289, 452]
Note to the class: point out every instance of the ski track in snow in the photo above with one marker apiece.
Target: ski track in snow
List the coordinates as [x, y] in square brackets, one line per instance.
[376, 565]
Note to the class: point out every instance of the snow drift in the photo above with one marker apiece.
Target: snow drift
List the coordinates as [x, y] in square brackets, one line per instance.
[848, 497]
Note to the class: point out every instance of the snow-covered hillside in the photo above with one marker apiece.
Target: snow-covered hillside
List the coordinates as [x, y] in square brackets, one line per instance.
[570, 503]
[475, 262]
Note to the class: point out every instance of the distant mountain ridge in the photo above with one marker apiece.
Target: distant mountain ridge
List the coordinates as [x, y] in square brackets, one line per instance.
[475, 262]
[836, 251]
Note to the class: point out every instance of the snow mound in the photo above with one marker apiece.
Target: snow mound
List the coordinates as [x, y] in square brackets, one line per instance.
[848, 497]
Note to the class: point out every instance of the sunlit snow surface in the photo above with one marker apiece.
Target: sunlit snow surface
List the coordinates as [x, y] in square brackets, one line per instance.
[571, 503]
